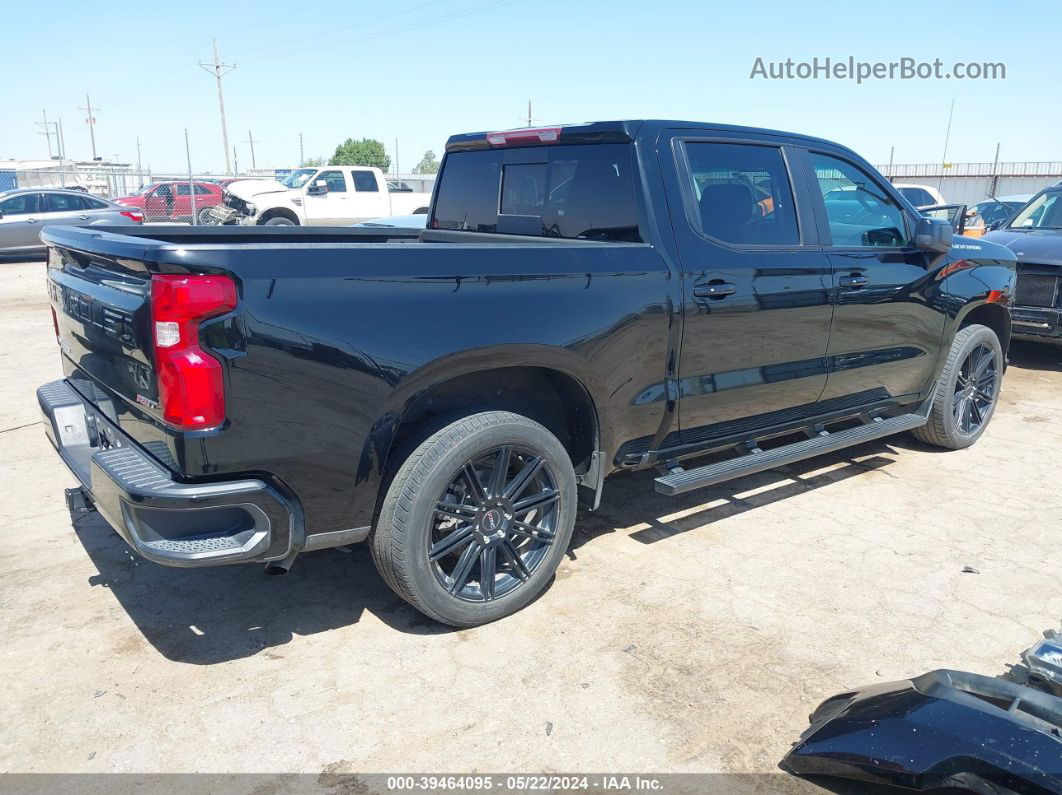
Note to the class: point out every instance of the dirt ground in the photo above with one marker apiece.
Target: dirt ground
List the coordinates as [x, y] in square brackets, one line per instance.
[682, 634]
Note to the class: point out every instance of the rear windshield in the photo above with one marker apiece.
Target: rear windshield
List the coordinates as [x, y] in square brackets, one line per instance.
[582, 191]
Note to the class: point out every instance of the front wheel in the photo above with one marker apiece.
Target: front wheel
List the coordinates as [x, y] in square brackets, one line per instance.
[477, 519]
[967, 390]
[279, 220]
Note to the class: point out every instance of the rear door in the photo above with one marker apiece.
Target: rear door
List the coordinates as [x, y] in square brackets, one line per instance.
[887, 325]
[755, 285]
[371, 199]
[67, 209]
[20, 226]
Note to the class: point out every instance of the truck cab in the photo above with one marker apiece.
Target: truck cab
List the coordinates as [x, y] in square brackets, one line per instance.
[318, 196]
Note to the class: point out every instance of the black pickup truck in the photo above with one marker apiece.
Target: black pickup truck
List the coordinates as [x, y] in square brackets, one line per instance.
[586, 299]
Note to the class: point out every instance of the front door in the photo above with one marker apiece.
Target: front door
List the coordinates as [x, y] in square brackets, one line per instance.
[20, 226]
[755, 289]
[330, 207]
[887, 325]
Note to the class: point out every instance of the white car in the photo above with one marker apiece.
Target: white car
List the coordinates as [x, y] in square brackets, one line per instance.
[920, 195]
[326, 196]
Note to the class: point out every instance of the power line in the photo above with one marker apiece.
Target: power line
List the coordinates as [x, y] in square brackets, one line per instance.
[220, 70]
[359, 24]
[489, 6]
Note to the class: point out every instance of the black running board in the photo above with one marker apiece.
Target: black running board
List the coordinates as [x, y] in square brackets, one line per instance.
[680, 480]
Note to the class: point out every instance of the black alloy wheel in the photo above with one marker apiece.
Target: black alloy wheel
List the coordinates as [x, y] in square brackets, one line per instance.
[494, 524]
[975, 389]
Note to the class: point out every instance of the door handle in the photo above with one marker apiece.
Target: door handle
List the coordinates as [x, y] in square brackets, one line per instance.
[83, 217]
[854, 281]
[714, 289]
[31, 220]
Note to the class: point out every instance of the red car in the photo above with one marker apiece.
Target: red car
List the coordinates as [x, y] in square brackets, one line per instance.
[172, 201]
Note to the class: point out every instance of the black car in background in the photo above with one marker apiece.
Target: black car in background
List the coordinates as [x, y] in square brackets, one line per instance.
[1035, 236]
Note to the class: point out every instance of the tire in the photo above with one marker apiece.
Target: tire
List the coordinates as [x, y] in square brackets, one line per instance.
[435, 559]
[279, 220]
[954, 426]
[205, 218]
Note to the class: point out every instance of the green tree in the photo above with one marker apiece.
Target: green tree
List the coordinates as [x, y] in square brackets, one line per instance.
[366, 152]
[312, 162]
[427, 165]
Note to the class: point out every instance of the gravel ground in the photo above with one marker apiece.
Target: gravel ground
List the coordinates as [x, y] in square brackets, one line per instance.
[689, 634]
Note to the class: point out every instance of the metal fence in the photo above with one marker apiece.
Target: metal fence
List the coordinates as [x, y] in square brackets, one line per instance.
[970, 183]
[163, 196]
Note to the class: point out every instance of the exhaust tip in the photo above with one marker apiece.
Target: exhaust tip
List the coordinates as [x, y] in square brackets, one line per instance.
[277, 567]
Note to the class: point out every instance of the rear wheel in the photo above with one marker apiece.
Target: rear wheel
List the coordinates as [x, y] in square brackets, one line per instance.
[477, 519]
[279, 220]
[967, 391]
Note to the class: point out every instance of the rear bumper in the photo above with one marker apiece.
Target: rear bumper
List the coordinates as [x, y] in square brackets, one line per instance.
[168, 522]
[1035, 323]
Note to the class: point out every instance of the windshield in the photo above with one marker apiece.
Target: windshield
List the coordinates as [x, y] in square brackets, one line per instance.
[298, 177]
[1043, 212]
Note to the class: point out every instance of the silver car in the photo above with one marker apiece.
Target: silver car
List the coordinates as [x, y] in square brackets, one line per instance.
[25, 211]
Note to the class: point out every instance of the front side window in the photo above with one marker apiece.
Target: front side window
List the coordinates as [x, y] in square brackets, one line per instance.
[859, 212]
[62, 203]
[335, 180]
[742, 193]
[22, 204]
[365, 182]
[1043, 212]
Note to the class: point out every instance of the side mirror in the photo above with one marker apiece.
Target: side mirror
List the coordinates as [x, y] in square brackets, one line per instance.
[319, 188]
[934, 234]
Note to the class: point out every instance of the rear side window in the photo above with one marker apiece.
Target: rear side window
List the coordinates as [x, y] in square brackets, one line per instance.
[584, 191]
[365, 182]
[62, 202]
[742, 193]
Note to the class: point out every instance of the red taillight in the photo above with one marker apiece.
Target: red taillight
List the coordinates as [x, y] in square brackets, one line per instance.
[527, 135]
[135, 216]
[191, 382]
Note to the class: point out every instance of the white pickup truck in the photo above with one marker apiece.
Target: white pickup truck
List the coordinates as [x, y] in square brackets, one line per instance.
[326, 196]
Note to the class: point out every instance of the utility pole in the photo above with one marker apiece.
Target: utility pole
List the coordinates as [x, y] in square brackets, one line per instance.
[529, 113]
[995, 174]
[892, 151]
[235, 161]
[398, 171]
[250, 140]
[62, 140]
[191, 185]
[47, 132]
[139, 168]
[220, 70]
[90, 120]
[302, 156]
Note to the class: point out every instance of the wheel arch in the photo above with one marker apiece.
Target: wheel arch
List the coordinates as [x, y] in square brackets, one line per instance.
[279, 212]
[546, 384]
[992, 314]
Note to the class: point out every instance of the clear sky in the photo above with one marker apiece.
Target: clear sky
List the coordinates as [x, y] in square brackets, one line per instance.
[418, 71]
